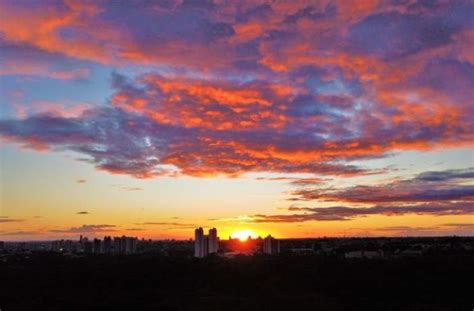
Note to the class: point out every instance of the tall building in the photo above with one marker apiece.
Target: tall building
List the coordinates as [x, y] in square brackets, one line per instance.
[70, 246]
[199, 243]
[107, 244]
[97, 246]
[117, 245]
[130, 246]
[271, 245]
[88, 247]
[213, 241]
[205, 244]
[121, 245]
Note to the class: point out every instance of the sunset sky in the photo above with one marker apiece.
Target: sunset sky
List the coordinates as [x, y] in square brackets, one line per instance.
[296, 119]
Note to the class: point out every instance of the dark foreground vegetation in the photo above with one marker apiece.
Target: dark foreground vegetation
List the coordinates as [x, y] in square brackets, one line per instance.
[49, 281]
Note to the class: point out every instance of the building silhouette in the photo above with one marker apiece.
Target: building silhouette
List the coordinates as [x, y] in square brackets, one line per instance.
[129, 245]
[213, 241]
[97, 246]
[124, 245]
[88, 246]
[117, 245]
[205, 244]
[199, 243]
[107, 244]
[271, 245]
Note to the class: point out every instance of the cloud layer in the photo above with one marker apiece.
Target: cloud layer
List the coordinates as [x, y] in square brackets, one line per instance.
[289, 87]
[436, 193]
[431, 186]
[86, 229]
[338, 213]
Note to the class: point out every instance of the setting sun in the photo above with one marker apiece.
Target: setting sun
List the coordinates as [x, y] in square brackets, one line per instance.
[244, 234]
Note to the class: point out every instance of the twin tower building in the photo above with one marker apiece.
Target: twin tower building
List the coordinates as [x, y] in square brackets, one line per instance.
[205, 244]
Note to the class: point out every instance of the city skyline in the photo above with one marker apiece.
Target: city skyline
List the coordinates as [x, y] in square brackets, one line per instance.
[289, 118]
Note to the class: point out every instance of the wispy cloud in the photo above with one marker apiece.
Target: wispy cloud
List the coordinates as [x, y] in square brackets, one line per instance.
[86, 229]
[20, 233]
[464, 226]
[127, 188]
[341, 213]
[6, 219]
[294, 180]
[133, 188]
[444, 229]
[436, 186]
[176, 224]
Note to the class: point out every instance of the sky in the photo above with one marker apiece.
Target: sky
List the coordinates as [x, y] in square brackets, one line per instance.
[290, 118]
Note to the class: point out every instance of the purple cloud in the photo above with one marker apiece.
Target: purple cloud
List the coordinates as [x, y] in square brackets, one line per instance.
[236, 88]
[341, 213]
[439, 176]
[434, 186]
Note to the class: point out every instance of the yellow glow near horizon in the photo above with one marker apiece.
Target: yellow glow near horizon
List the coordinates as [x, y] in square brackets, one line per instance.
[244, 234]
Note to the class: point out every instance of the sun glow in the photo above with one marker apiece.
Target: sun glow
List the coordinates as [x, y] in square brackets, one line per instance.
[244, 234]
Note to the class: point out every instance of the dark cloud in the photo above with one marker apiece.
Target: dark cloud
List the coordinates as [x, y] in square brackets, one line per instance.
[438, 176]
[389, 193]
[111, 150]
[37, 63]
[449, 76]
[432, 186]
[435, 193]
[83, 213]
[399, 34]
[339, 213]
